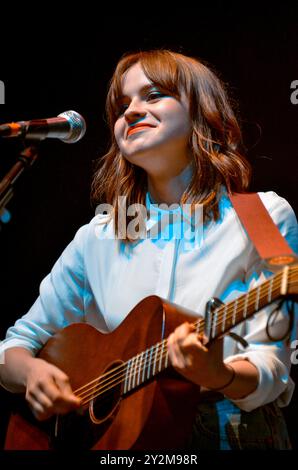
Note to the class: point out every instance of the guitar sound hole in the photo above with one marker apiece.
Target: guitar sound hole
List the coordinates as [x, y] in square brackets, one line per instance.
[107, 394]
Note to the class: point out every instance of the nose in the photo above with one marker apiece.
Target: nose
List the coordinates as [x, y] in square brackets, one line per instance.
[134, 111]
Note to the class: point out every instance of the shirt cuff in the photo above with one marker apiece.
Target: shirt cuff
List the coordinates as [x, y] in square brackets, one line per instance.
[16, 343]
[269, 388]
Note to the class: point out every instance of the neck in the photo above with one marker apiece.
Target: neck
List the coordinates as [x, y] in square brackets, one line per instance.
[167, 189]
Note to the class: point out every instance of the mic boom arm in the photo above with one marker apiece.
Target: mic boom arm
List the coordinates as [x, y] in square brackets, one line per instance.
[26, 158]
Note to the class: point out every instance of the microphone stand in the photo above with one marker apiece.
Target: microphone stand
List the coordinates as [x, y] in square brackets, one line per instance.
[26, 159]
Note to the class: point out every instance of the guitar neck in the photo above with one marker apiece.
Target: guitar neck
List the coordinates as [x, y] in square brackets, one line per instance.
[154, 360]
[227, 316]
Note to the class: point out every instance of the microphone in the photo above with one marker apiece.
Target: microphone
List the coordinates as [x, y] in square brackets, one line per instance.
[69, 127]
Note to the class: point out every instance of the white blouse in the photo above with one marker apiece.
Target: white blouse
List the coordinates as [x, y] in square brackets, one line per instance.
[99, 279]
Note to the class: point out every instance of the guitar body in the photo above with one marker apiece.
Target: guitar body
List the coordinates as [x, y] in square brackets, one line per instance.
[155, 415]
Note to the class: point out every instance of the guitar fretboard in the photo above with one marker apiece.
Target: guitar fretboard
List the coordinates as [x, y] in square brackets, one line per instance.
[145, 365]
[154, 360]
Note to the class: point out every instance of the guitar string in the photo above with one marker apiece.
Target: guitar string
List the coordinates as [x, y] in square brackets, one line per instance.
[228, 316]
[139, 364]
[102, 388]
[155, 358]
[110, 386]
[118, 378]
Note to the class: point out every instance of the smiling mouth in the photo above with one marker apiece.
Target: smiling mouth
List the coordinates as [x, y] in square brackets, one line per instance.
[137, 129]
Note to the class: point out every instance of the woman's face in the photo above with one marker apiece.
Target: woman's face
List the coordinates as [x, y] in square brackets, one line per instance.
[152, 129]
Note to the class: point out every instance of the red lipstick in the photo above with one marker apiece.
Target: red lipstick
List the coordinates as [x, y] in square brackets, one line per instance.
[137, 127]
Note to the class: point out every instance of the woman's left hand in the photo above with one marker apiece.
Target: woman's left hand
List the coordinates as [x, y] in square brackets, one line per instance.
[190, 357]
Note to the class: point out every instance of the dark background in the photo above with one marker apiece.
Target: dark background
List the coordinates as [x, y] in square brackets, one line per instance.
[50, 70]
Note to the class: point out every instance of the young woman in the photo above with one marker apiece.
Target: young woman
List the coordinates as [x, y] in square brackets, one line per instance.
[175, 143]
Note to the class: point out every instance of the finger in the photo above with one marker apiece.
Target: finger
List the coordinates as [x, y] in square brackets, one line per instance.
[189, 352]
[43, 400]
[198, 342]
[191, 342]
[50, 388]
[182, 331]
[57, 402]
[174, 352]
[62, 382]
[46, 404]
[62, 399]
[38, 410]
[66, 392]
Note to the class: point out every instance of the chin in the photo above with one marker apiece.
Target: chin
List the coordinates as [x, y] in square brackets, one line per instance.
[136, 156]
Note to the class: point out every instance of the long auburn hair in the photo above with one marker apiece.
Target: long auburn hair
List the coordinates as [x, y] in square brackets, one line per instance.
[215, 141]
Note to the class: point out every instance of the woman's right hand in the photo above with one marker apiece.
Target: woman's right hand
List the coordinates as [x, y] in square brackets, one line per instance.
[48, 390]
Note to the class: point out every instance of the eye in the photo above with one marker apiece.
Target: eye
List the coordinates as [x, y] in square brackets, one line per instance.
[120, 109]
[155, 95]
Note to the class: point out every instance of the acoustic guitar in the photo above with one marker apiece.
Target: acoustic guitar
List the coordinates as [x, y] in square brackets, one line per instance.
[131, 396]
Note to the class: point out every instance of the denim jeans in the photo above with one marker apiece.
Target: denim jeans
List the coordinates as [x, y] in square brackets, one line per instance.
[221, 425]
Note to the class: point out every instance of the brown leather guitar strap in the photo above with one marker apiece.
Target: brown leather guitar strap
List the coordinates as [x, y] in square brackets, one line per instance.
[264, 234]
